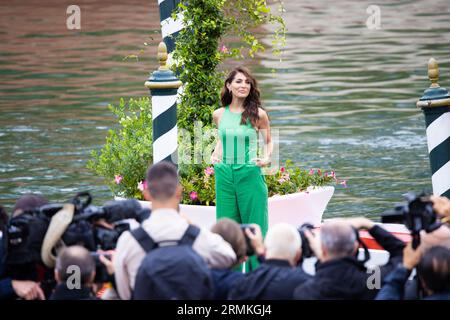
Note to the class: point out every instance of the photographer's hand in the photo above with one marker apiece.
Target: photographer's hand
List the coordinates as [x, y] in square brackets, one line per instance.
[109, 264]
[256, 239]
[28, 290]
[441, 205]
[411, 257]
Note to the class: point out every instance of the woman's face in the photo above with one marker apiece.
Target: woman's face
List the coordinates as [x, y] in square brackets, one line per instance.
[240, 86]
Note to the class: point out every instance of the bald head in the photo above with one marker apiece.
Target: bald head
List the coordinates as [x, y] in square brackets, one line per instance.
[283, 242]
[75, 258]
[338, 239]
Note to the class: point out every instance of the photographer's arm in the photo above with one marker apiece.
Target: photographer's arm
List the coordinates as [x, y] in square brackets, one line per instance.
[384, 238]
[394, 283]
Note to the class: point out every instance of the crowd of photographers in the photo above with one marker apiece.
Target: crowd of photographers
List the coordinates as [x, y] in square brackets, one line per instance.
[122, 251]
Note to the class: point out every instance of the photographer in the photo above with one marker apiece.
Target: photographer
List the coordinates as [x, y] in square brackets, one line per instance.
[278, 276]
[165, 224]
[231, 232]
[339, 274]
[13, 288]
[433, 269]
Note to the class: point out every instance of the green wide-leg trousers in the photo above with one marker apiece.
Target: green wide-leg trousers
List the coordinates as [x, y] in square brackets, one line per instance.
[241, 195]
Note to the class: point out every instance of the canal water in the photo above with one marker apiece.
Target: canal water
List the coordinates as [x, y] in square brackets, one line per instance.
[342, 95]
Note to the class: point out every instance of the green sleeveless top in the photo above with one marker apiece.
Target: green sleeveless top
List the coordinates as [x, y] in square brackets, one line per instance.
[239, 142]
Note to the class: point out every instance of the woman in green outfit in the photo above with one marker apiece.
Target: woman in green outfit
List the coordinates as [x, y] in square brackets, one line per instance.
[241, 190]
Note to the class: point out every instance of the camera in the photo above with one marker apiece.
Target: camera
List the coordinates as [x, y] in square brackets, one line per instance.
[250, 250]
[26, 232]
[416, 214]
[306, 249]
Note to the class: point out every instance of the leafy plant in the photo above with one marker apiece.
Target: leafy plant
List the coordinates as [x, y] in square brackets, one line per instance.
[198, 182]
[198, 54]
[128, 150]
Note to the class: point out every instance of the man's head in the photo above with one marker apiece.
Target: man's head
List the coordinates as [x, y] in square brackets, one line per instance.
[72, 261]
[163, 187]
[28, 202]
[434, 270]
[232, 233]
[338, 240]
[283, 242]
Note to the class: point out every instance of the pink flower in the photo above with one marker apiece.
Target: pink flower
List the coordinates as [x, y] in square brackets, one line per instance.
[209, 171]
[326, 175]
[224, 49]
[193, 195]
[319, 172]
[142, 185]
[343, 183]
[282, 169]
[281, 180]
[118, 178]
[311, 172]
[286, 176]
[333, 174]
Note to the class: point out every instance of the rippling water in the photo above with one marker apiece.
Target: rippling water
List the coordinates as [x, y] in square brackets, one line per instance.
[342, 96]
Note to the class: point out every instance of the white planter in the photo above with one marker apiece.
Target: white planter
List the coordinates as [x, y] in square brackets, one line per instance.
[295, 209]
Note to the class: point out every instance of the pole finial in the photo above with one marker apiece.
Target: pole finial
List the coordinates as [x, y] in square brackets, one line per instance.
[433, 72]
[162, 55]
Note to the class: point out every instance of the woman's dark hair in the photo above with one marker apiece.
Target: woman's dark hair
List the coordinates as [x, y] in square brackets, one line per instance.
[434, 269]
[251, 103]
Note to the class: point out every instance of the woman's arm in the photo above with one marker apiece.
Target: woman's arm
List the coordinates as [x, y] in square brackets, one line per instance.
[217, 153]
[264, 128]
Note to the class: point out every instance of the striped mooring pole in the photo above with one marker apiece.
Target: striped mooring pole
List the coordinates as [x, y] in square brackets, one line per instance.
[435, 104]
[169, 27]
[163, 86]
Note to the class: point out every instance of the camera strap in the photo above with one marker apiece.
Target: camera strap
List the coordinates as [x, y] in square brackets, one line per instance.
[364, 246]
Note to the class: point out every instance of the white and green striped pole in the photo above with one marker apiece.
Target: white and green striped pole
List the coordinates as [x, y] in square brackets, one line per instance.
[169, 27]
[435, 104]
[163, 86]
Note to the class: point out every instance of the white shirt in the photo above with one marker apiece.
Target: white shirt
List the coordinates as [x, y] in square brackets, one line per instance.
[166, 224]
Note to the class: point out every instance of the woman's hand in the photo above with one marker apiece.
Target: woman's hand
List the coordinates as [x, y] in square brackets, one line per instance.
[215, 159]
[262, 162]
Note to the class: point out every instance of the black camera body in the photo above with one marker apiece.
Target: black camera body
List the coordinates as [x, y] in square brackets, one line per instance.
[416, 214]
[306, 249]
[250, 250]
